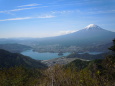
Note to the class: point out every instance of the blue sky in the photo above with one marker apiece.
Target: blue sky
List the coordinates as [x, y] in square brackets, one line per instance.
[44, 18]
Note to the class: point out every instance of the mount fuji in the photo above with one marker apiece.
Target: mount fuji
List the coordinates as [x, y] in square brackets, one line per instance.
[90, 35]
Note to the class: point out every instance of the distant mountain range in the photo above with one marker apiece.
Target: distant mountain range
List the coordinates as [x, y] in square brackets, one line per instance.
[14, 48]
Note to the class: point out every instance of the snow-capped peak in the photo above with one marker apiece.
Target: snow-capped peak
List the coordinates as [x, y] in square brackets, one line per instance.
[92, 26]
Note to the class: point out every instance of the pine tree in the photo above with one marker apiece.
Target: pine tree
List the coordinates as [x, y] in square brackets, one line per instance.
[113, 47]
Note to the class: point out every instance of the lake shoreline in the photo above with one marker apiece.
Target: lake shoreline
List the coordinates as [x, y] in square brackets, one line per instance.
[42, 56]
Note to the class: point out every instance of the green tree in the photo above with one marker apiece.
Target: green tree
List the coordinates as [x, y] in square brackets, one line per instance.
[113, 47]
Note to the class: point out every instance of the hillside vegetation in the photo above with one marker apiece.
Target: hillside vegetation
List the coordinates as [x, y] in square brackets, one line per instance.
[8, 60]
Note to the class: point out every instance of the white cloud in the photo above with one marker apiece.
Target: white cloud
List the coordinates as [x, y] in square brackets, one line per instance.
[46, 16]
[22, 9]
[8, 11]
[92, 11]
[24, 18]
[25, 7]
[16, 19]
[62, 12]
[28, 5]
[42, 35]
[66, 11]
[65, 32]
[101, 12]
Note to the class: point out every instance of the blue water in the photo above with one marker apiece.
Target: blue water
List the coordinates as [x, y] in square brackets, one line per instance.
[42, 56]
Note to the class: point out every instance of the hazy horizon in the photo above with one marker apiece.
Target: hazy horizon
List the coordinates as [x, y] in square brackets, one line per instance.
[38, 18]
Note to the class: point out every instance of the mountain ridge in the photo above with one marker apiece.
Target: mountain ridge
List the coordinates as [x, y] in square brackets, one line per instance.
[8, 59]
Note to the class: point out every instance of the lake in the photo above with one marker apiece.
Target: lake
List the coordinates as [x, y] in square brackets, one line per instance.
[42, 56]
